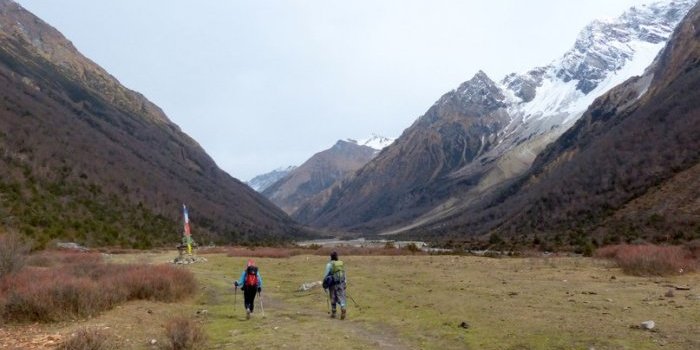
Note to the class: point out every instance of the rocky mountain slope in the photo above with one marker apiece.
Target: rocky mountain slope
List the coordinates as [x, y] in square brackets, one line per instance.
[84, 158]
[628, 169]
[474, 140]
[261, 182]
[323, 170]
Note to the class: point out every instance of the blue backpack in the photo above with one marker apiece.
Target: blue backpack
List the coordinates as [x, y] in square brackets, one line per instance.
[336, 275]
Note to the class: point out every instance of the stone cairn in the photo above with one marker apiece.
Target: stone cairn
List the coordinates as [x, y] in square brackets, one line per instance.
[183, 258]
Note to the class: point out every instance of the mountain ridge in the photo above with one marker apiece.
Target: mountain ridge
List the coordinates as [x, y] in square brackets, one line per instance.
[478, 137]
[85, 158]
[627, 170]
[318, 173]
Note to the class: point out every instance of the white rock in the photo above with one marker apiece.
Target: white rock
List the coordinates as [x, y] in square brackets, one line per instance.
[649, 325]
[309, 285]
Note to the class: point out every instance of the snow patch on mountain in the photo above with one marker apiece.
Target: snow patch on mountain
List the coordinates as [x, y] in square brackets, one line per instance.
[557, 96]
[606, 53]
[545, 101]
[376, 142]
[262, 182]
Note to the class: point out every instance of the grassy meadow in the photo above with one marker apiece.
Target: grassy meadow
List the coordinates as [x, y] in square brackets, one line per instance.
[413, 302]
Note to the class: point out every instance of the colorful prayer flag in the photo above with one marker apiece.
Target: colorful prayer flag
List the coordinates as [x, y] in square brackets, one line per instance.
[187, 221]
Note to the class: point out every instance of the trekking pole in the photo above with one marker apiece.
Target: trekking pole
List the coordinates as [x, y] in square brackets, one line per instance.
[261, 304]
[353, 300]
[328, 300]
[235, 293]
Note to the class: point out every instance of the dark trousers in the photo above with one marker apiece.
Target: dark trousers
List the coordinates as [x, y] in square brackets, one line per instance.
[249, 297]
[337, 295]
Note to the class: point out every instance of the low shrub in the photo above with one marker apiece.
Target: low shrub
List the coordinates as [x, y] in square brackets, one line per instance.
[266, 252]
[13, 251]
[364, 251]
[281, 252]
[159, 283]
[44, 295]
[88, 339]
[49, 258]
[413, 248]
[83, 289]
[650, 260]
[184, 334]
[213, 250]
[694, 248]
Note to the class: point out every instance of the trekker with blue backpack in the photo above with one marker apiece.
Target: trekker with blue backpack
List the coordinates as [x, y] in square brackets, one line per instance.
[250, 283]
[334, 282]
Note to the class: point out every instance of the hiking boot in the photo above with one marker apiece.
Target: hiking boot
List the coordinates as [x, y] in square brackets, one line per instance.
[342, 314]
[247, 314]
[333, 314]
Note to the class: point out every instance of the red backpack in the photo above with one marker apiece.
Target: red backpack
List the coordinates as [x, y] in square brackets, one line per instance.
[251, 277]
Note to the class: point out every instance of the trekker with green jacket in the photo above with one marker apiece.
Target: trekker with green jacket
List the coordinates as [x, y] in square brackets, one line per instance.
[334, 281]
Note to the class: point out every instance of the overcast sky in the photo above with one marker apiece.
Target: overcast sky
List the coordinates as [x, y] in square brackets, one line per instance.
[264, 84]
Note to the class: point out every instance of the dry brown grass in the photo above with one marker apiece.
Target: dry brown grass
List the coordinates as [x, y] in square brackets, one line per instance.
[88, 339]
[651, 260]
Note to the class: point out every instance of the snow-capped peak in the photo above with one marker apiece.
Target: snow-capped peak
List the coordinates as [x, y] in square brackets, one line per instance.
[377, 142]
[607, 46]
[606, 53]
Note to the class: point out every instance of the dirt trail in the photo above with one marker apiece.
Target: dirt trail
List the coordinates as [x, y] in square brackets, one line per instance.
[379, 336]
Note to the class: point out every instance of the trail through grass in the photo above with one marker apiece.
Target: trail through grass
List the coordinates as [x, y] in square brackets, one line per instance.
[419, 302]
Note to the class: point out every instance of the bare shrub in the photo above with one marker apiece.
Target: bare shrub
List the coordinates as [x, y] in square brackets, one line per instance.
[265, 252]
[49, 258]
[213, 250]
[694, 248]
[184, 334]
[88, 339]
[413, 248]
[13, 251]
[314, 249]
[650, 260]
[608, 252]
[45, 296]
[84, 289]
[161, 283]
[365, 251]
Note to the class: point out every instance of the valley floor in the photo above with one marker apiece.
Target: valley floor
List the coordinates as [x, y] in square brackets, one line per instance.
[414, 302]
